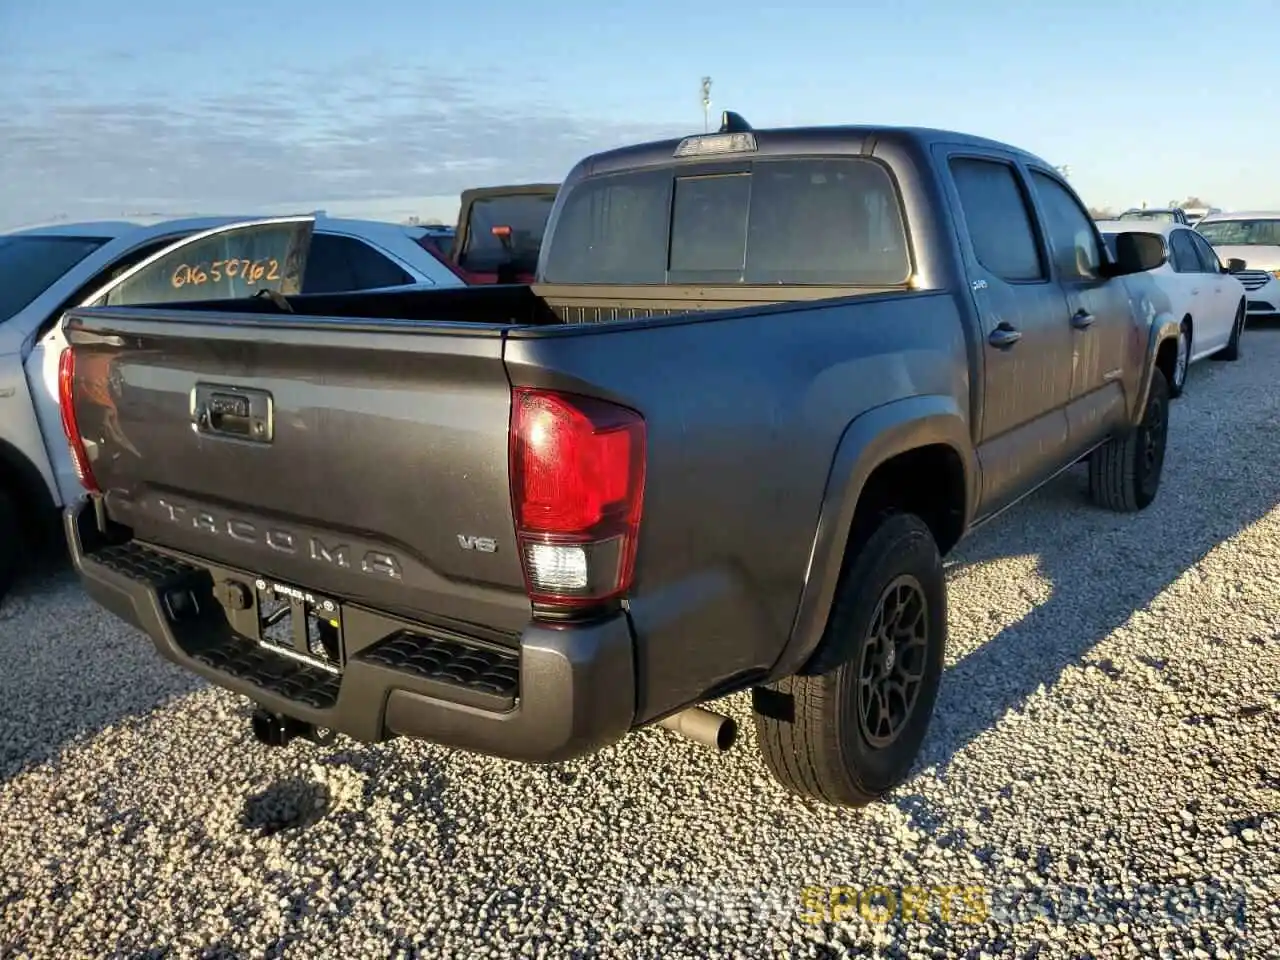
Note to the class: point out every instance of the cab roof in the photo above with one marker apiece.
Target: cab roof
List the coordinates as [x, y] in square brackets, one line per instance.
[847, 140]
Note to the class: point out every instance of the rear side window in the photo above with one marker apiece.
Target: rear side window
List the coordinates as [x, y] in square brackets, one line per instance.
[338, 264]
[1000, 226]
[804, 222]
[1209, 261]
[232, 263]
[1185, 258]
[1071, 232]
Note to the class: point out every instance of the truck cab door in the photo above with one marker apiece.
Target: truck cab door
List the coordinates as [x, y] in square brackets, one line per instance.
[233, 260]
[1100, 320]
[1026, 339]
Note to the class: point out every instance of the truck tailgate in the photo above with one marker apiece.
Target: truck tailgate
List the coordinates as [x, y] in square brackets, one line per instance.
[373, 467]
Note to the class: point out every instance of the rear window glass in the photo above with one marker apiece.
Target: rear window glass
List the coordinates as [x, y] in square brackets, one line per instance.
[805, 222]
[709, 226]
[526, 215]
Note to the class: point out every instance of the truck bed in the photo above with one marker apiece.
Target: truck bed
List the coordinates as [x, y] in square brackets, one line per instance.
[526, 305]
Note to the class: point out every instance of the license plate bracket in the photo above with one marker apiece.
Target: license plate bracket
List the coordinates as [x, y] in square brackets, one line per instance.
[299, 623]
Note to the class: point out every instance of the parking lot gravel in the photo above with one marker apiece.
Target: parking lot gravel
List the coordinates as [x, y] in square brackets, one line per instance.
[1102, 777]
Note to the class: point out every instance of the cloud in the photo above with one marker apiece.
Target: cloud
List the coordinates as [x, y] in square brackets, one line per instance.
[368, 133]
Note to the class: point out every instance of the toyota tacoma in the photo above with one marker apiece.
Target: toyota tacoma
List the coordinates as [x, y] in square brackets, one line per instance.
[764, 381]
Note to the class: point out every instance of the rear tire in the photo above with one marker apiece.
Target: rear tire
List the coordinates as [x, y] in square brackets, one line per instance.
[1231, 351]
[1124, 475]
[850, 734]
[12, 543]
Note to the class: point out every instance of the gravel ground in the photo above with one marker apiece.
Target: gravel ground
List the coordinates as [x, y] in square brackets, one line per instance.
[1107, 732]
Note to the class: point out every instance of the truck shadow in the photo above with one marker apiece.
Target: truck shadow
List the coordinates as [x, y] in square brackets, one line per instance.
[1101, 567]
[295, 804]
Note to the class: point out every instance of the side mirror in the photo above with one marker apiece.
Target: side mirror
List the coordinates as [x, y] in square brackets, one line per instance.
[1137, 253]
[1235, 265]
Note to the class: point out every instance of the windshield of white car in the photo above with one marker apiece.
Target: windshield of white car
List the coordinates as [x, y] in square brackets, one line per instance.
[1241, 233]
[30, 264]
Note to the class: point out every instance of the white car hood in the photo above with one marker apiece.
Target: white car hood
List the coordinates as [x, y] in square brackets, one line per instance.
[1255, 257]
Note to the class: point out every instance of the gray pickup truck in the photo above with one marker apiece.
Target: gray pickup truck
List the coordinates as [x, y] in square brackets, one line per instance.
[764, 381]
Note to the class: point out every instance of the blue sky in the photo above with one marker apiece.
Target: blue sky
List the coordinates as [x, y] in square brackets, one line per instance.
[391, 108]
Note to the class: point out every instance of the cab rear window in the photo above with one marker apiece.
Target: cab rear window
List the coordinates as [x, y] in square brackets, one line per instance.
[804, 222]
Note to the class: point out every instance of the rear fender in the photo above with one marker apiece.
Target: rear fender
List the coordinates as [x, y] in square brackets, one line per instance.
[868, 441]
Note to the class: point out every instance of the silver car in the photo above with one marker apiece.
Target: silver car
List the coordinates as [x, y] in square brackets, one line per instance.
[46, 270]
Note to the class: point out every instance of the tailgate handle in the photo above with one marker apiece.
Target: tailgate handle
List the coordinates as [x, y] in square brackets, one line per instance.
[232, 412]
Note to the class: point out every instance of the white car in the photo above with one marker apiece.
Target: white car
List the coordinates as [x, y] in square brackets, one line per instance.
[45, 271]
[1196, 214]
[1255, 239]
[1154, 215]
[1201, 293]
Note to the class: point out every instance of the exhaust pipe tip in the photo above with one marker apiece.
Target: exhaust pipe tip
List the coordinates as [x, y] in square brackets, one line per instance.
[702, 726]
[727, 735]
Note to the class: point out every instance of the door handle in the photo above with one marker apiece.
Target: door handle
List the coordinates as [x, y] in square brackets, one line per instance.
[1004, 336]
[1082, 320]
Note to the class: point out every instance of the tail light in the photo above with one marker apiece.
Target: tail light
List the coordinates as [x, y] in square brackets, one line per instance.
[66, 401]
[577, 491]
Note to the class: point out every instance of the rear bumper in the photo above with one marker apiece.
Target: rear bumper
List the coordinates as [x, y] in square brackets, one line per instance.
[567, 691]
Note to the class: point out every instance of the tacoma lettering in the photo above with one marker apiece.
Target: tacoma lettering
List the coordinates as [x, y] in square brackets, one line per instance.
[373, 562]
[335, 555]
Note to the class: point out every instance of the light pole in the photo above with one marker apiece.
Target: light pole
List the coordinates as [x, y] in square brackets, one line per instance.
[706, 104]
